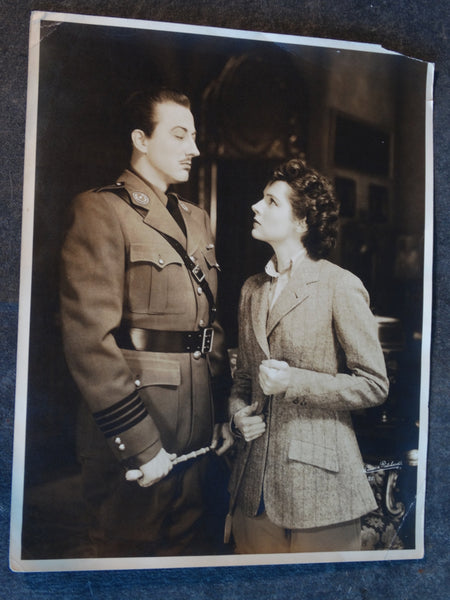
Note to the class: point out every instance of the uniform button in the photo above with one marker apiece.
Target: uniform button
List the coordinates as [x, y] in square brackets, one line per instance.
[199, 291]
[201, 323]
[192, 258]
[161, 262]
[197, 354]
[210, 246]
[117, 440]
[122, 447]
[137, 383]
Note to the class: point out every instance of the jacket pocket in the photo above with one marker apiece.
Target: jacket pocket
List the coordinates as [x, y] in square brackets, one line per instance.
[149, 369]
[158, 380]
[153, 279]
[314, 454]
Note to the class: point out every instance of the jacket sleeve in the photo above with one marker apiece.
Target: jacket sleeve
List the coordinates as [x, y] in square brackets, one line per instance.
[364, 382]
[91, 294]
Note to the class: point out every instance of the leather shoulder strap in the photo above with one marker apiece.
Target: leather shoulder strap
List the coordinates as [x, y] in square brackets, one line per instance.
[194, 269]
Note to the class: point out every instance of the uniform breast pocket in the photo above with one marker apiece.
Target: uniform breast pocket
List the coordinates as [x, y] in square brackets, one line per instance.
[154, 277]
[209, 254]
[212, 266]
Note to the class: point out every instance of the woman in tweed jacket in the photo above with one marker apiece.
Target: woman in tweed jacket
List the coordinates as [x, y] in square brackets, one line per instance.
[308, 355]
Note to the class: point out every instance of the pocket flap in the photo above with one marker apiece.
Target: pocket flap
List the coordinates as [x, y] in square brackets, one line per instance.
[313, 454]
[159, 253]
[210, 256]
[153, 370]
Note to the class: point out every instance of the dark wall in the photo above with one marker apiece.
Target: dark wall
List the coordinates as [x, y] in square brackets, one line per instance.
[291, 93]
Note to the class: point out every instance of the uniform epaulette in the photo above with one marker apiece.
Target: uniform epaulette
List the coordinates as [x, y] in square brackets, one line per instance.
[111, 187]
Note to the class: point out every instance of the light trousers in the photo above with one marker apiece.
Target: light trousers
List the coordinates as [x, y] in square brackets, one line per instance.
[258, 535]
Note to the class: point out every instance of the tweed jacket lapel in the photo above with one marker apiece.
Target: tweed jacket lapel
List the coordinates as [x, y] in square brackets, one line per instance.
[259, 308]
[305, 272]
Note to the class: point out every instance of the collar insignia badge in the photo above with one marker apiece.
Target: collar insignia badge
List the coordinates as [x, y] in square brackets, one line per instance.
[140, 198]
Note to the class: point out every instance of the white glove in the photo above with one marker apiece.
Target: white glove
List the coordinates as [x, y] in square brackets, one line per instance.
[152, 471]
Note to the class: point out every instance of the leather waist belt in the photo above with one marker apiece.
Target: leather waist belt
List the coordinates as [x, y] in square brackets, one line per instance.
[154, 340]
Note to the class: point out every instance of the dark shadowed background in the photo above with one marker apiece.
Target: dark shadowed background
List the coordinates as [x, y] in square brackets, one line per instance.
[99, 81]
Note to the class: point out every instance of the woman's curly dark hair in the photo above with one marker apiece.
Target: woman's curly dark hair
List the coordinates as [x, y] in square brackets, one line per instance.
[312, 198]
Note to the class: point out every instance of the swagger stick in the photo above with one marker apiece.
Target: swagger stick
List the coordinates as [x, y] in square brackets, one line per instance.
[233, 498]
[135, 474]
[193, 454]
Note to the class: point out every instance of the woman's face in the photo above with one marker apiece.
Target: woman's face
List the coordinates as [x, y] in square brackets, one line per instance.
[274, 221]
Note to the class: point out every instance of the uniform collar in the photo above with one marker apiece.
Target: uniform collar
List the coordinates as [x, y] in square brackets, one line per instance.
[146, 196]
[159, 193]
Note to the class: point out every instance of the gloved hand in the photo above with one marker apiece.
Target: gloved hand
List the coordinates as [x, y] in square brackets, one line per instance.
[152, 471]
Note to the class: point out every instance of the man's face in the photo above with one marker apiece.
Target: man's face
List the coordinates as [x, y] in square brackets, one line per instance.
[171, 147]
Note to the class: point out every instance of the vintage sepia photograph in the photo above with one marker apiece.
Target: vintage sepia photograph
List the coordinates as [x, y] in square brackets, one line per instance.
[225, 301]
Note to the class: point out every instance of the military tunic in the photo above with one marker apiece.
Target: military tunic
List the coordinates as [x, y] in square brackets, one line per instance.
[118, 270]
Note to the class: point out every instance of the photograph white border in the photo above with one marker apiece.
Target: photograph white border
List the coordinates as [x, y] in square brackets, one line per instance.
[16, 563]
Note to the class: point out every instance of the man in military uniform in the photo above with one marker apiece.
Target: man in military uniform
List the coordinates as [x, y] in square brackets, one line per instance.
[139, 281]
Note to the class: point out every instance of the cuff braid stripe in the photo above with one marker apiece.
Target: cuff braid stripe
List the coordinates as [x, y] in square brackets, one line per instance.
[116, 406]
[121, 416]
[107, 419]
[143, 415]
[113, 427]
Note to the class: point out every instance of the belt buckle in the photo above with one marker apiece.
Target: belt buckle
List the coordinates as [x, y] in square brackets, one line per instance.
[198, 274]
[207, 340]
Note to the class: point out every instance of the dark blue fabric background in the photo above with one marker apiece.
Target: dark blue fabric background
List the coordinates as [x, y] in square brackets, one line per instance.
[417, 28]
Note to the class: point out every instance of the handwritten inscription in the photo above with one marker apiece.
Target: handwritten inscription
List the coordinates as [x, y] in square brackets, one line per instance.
[384, 465]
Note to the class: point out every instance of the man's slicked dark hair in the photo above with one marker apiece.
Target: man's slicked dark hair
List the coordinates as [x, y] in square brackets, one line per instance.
[312, 198]
[140, 107]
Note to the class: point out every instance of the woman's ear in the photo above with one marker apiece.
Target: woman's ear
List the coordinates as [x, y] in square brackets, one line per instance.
[139, 140]
[301, 226]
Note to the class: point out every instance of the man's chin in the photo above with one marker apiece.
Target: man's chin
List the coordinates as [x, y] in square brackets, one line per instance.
[184, 173]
